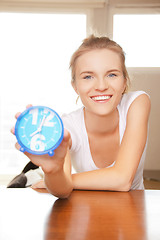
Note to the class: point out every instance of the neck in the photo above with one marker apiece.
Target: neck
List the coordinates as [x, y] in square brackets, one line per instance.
[96, 124]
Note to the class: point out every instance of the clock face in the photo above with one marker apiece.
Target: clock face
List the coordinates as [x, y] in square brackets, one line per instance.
[39, 130]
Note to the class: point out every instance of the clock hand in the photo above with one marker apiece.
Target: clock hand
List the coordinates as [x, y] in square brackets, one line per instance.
[39, 128]
[32, 134]
[41, 124]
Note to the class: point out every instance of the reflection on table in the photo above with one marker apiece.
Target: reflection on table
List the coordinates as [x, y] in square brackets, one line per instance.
[28, 214]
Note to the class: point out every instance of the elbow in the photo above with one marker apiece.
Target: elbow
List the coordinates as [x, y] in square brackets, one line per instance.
[124, 184]
[63, 194]
[123, 181]
[125, 187]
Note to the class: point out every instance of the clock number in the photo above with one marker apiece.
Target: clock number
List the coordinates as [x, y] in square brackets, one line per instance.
[36, 143]
[34, 113]
[47, 122]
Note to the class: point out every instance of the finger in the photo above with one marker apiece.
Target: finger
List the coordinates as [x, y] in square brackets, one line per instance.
[61, 150]
[67, 138]
[66, 135]
[29, 105]
[17, 114]
[13, 130]
[17, 146]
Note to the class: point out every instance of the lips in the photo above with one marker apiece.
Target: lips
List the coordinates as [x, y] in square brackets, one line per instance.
[101, 98]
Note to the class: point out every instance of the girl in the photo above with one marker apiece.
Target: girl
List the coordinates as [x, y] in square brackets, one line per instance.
[105, 140]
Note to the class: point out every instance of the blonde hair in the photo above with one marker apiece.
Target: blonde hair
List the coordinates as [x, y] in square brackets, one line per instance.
[92, 43]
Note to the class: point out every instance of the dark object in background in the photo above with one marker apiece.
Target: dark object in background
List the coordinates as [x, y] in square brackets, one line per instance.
[20, 180]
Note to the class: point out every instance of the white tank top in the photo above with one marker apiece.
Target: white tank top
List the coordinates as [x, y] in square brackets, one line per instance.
[80, 151]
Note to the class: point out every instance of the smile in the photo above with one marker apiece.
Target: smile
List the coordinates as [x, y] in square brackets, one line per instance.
[101, 97]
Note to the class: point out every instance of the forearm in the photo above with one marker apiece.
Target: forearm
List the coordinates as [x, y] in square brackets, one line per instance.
[59, 183]
[101, 179]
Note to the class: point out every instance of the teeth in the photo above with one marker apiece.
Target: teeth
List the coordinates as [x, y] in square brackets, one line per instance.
[99, 98]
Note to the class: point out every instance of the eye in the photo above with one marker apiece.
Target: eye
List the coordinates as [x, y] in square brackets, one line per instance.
[88, 77]
[111, 75]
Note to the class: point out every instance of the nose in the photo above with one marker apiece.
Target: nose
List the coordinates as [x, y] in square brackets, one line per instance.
[101, 84]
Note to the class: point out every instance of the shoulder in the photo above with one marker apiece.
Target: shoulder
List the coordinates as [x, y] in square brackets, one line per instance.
[139, 108]
[142, 99]
[134, 100]
[129, 97]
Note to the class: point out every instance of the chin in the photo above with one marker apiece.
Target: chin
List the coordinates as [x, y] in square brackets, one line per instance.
[101, 112]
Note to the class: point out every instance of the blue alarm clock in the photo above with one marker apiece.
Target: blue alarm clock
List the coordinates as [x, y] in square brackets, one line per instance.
[39, 130]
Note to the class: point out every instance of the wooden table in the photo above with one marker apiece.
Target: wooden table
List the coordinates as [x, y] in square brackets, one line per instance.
[26, 214]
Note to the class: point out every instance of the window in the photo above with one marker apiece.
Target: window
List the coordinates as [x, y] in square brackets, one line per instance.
[35, 52]
[139, 36]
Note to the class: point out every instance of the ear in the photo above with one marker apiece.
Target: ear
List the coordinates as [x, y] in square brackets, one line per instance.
[74, 87]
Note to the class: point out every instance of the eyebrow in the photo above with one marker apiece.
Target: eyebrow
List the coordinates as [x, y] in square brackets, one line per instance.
[113, 70]
[86, 72]
[91, 72]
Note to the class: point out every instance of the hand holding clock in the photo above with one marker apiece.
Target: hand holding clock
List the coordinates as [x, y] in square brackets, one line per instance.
[40, 135]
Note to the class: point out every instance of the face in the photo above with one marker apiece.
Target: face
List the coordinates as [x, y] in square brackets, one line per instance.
[99, 81]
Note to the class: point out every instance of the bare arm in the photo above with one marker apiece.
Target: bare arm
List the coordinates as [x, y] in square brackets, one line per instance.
[56, 168]
[59, 182]
[120, 176]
